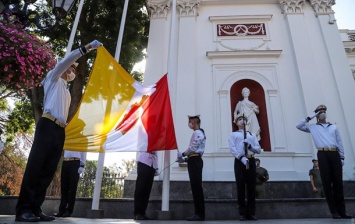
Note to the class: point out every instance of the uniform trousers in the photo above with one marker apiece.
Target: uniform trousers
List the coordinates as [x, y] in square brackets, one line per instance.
[194, 167]
[42, 163]
[69, 185]
[144, 183]
[245, 181]
[332, 179]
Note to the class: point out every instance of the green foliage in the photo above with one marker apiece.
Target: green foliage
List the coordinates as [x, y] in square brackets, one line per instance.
[19, 120]
[112, 180]
[101, 20]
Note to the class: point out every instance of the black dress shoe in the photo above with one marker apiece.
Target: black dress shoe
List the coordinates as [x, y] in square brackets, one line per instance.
[59, 214]
[336, 216]
[242, 218]
[66, 214]
[27, 217]
[252, 217]
[140, 217]
[43, 217]
[148, 217]
[345, 216]
[195, 218]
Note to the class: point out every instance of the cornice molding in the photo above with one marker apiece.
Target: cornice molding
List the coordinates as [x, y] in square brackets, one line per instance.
[292, 6]
[244, 54]
[188, 7]
[158, 8]
[264, 17]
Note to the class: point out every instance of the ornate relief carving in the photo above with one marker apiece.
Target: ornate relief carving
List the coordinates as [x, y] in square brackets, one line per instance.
[292, 6]
[353, 70]
[158, 8]
[188, 7]
[322, 6]
[351, 37]
[241, 29]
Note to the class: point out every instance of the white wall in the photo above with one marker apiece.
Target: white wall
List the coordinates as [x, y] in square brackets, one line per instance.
[302, 65]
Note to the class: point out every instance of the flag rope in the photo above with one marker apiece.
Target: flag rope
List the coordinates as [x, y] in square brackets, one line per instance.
[165, 168]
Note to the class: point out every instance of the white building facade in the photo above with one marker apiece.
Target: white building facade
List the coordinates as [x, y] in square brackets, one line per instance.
[289, 53]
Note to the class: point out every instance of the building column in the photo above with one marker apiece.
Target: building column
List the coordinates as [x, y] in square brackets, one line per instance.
[185, 79]
[157, 49]
[302, 49]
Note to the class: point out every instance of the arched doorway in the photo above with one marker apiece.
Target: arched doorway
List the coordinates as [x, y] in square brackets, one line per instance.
[257, 95]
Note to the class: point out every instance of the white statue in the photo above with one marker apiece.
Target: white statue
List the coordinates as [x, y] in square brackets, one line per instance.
[249, 109]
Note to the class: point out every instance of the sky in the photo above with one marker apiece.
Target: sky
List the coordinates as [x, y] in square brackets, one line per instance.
[345, 16]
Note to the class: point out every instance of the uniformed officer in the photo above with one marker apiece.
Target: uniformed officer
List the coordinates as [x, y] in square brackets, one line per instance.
[327, 140]
[147, 167]
[73, 165]
[195, 165]
[243, 149]
[49, 138]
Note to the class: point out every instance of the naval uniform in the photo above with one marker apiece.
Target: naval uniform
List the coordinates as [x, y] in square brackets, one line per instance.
[147, 165]
[72, 160]
[194, 167]
[49, 138]
[245, 178]
[327, 140]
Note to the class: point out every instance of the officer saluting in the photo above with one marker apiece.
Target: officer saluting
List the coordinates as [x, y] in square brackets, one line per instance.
[327, 140]
[244, 166]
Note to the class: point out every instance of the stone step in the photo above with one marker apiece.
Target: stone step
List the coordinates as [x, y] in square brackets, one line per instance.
[216, 209]
[227, 189]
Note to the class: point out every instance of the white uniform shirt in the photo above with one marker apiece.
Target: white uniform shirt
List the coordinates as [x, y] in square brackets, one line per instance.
[324, 135]
[149, 159]
[236, 144]
[56, 95]
[197, 143]
[75, 154]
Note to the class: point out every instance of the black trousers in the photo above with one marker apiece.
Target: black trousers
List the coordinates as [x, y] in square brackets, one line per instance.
[194, 167]
[246, 180]
[331, 173]
[42, 163]
[144, 183]
[69, 185]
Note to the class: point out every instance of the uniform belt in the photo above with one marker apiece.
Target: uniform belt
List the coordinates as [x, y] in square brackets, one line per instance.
[50, 117]
[194, 154]
[327, 149]
[250, 156]
[70, 159]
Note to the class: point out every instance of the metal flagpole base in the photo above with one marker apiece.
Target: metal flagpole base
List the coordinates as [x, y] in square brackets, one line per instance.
[165, 215]
[94, 213]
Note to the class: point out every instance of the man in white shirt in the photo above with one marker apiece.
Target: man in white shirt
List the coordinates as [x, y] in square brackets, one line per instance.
[147, 166]
[49, 138]
[327, 140]
[195, 165]
[73, 165]
[243, 145]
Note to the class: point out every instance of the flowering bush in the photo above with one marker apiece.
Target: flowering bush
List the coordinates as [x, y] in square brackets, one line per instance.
[24, 58]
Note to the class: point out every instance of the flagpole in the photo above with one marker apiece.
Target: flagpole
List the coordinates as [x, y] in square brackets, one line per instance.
[120, 34]
[75, 26]
[166, 177]
[101, 159]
